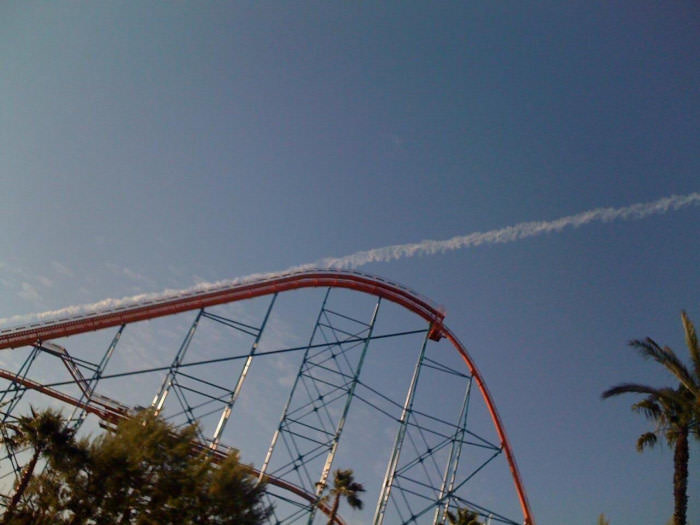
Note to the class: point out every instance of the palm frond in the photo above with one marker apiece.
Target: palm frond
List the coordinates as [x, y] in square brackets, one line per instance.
[666, 357]
[670, 399]
[649, 407]
[355, 502]
[630, 388]
[671, 433]
[648, 439]
[464, 516]
[356, 487]
[691, 339]
[695, 431]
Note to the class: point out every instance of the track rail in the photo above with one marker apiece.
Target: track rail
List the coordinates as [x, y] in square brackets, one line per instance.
[28, 335]
[500, 429]
[194, 300]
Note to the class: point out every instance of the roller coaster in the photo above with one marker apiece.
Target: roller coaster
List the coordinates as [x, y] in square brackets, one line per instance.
[440, 449]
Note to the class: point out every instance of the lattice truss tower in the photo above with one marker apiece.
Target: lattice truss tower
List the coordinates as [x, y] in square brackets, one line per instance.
[304, 373]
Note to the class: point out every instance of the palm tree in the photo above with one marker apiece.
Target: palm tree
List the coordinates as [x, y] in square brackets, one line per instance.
[344, 485]
[675, 411]
[46, 434]
[463, 517]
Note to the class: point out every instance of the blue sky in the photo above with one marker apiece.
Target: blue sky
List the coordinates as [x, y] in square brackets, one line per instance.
[148, 146]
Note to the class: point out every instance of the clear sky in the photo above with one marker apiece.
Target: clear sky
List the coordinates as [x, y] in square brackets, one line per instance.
[146, 146]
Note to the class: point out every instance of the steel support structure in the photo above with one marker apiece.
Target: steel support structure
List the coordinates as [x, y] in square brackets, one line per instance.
[398, 442]
[434, 460]
[9, 399]
[317, 408]
[424, 475]
[161, 396]
[80, 413]
[19, 383]
[452, 467]
[233, 396]
[196, 395]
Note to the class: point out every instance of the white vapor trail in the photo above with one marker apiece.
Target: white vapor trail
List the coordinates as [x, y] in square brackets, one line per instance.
[507, 234]
[513, 233]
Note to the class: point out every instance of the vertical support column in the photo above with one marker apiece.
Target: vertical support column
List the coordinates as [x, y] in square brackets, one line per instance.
[162, 394]
[241, 378]
[79, 414]
[285, 411]
[400, 435]
[448, 480]
[16, 391]
[321, 485]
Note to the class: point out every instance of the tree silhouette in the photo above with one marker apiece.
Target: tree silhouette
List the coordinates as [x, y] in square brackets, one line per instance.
[145, 472]
[345, 486]
[674, 411]
[46, 434]
[463, 517]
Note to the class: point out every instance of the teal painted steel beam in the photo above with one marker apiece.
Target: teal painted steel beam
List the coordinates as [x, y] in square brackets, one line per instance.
[226, 413]
[388, 482]
[159, 399]
[322, 482]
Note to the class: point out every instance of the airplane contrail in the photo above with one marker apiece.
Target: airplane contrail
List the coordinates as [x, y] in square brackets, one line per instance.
[394, 252]
[513, 233]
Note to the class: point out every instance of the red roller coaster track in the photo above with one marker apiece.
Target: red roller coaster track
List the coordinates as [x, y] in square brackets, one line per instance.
[194, 300]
